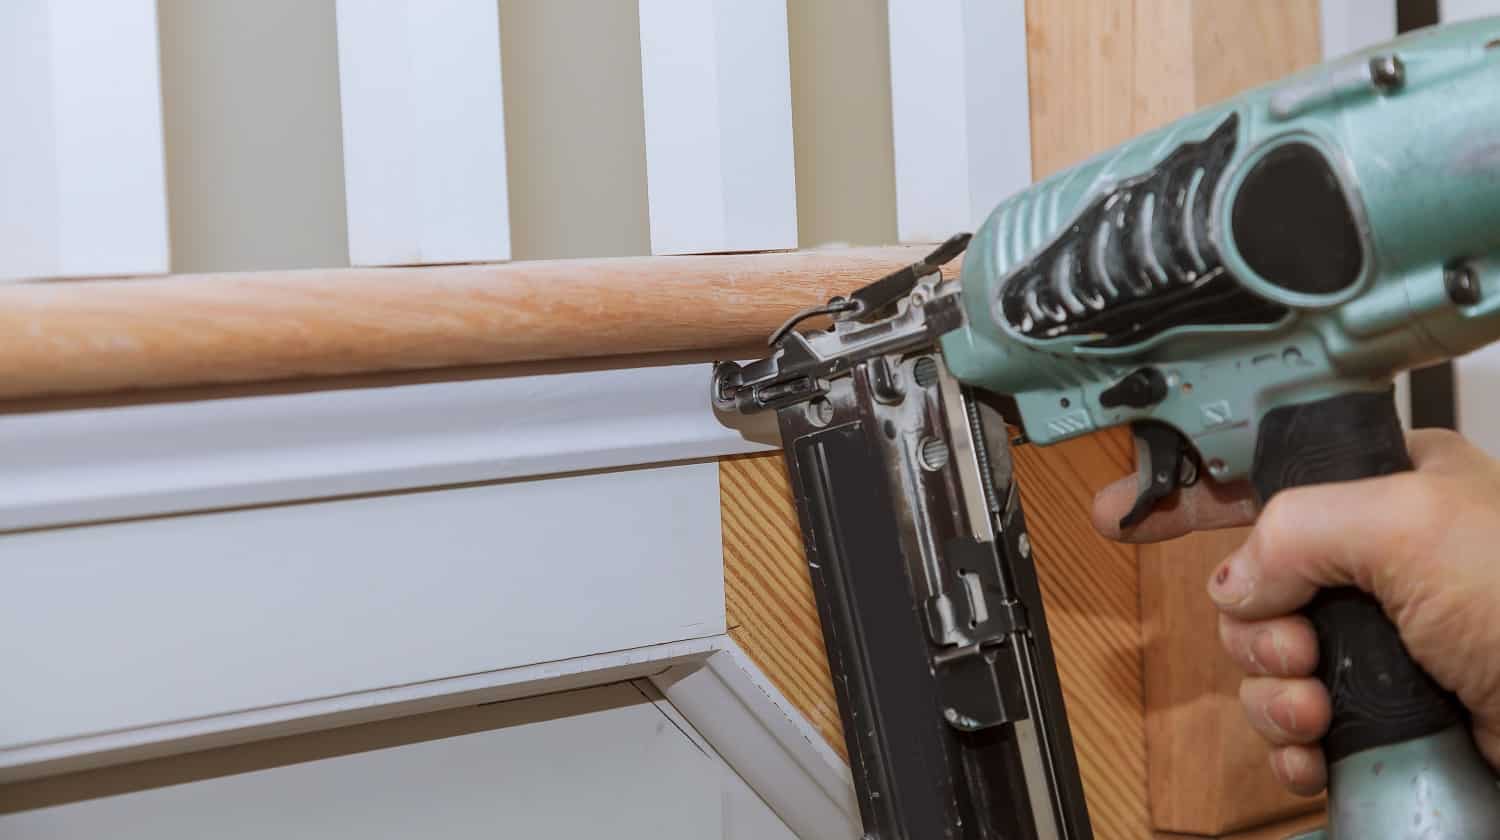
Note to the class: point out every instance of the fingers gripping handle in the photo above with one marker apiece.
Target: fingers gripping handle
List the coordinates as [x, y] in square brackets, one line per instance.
[1380, 695]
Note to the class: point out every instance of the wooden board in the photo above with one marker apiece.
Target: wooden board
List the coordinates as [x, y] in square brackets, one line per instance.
[768, 595]
[1282, 830]
[1089, 590]
[1208, 770]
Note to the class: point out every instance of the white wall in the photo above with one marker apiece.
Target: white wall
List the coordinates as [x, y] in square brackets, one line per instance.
[576, 130]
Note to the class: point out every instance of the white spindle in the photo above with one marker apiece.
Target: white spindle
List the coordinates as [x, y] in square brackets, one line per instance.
[960, 112]
[82, 188]
[716, 90]
[1456, 10]
[1352, 25]
[423, 130]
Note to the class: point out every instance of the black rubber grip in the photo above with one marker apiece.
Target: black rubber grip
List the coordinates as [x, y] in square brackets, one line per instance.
[1380, 695]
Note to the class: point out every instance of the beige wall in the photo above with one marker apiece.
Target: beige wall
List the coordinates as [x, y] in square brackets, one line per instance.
[250, 95]
[255, 153]
[575, 144]
[841, 122]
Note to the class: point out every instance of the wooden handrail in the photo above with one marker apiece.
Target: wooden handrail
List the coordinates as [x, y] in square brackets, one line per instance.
[100, 336]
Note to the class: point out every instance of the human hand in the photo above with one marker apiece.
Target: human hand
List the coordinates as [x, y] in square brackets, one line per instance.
[1423, 543]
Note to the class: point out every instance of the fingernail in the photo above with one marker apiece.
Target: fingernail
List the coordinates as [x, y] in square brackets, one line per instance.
[1278, 765]
[1262, 641]
[1230, 585]
[1271, 720]
[1281, 716]
[1269, 647]
[1287, 765]
[1278, 647]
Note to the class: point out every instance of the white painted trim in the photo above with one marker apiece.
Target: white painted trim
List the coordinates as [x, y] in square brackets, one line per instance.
[1453, 11]
[716, 86]
[1349, 26]
[960, 112]
[186, 617]
[86, 465]
[103, 749]
[767, 742]
[82, 172]
[423, 130]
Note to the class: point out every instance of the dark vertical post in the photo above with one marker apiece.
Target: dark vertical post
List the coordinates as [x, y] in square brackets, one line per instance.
[1434, 389]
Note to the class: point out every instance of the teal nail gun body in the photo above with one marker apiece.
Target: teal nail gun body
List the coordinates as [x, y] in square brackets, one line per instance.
[1240, 288]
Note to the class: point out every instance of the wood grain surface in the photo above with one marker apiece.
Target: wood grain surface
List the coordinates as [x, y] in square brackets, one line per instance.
[93, 336]
[1093, 609]
[1208, 770]
[768, 595]
[1279, 830]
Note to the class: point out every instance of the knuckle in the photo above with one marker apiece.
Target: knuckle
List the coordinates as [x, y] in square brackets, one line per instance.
[1424, 504]
[1437, 440]
[1276, 526]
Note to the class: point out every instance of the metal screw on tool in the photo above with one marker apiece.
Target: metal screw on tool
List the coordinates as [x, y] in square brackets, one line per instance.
[819, 412]
[1388, 73]
[933, 453]
[1462, 282]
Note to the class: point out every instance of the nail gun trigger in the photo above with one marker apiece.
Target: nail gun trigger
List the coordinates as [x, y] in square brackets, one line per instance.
[1163, 464]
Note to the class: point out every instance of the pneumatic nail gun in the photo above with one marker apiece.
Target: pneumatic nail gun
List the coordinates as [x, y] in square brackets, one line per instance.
[1240, 288]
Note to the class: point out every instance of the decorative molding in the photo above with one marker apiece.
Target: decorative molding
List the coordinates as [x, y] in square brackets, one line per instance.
[185, 618]
[767, 742]
[109, 748]
[82, 465]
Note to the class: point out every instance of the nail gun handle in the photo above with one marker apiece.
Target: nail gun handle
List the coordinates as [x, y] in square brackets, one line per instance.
[1380, 695]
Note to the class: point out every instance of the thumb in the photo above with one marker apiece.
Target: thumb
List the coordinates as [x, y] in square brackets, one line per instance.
[1359, 533]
